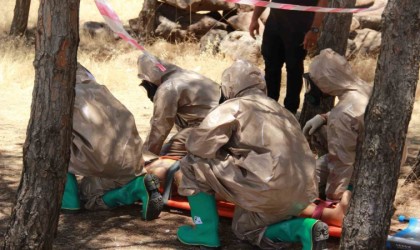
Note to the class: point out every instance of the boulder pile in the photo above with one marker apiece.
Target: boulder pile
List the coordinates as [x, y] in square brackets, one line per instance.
[222, 27]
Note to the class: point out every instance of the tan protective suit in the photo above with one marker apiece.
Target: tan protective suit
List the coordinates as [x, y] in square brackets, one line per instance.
[106, 148]
[183, 98]
[333, 75]
[250, 151]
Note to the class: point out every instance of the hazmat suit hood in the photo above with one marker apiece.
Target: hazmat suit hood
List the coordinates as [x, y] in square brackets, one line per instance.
[83, 75]
[148, 71]
[240, 78]
[333, 74]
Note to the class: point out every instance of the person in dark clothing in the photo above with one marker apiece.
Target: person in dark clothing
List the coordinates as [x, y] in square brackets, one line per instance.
[287, 36]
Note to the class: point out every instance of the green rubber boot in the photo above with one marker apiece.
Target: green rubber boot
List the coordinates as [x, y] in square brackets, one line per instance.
[144, 188]
[310, 232]
[71, 201]
[206, 220]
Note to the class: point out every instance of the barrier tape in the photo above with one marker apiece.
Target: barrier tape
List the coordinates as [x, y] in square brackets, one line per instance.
[283, 6]
[115, 24]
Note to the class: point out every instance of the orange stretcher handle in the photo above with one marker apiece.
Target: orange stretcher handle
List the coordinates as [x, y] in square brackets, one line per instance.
[175, 158]
[226, 209]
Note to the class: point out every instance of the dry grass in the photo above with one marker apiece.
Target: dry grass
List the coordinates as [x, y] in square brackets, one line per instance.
[126, 10]
[112, 63]
[115, 63]
[16, 57]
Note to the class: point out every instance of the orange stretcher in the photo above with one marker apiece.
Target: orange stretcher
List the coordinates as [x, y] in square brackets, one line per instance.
[224, 208]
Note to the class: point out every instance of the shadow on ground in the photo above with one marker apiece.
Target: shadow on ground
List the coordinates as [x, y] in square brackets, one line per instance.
[122, 228]
[10, 167]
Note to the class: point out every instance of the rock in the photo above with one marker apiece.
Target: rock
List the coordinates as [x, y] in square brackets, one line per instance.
[200, 5]
[242, 21]
[100, 31]
[244, 8]
[204, 24]
[367, 43]
[134, 25]
[354, 24]
[178, 25]
[211, 40]
[170, 31]
[351, 46]
[364, 3]
[370, 22]
[372, 19]
[240, 45]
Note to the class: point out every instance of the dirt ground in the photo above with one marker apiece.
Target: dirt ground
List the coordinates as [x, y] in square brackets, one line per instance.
[122, 228]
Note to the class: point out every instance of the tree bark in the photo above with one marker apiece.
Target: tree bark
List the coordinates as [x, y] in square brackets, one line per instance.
[334, 35]
[147, 22]
[20, 18]
[336, 28]
[415, 172]
[388, 113]
[46, 151]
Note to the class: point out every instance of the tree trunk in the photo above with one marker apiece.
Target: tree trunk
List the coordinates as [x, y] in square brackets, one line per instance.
[20, 18]
[415, 172]
[147, 22]
[335, 33]
[388, 113]
[46, 152]
[336, 28]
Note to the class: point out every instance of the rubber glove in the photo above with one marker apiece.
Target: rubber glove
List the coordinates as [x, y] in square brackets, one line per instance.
[313, 124]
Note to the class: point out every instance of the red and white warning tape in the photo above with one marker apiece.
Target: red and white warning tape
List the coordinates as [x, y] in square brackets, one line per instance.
[283, 6]
[115, 24]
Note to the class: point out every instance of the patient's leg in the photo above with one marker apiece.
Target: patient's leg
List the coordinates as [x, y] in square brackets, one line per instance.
[332, 216]
[160, 167]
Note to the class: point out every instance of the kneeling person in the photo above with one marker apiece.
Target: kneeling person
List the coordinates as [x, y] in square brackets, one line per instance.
[250, 151]
[107, 151]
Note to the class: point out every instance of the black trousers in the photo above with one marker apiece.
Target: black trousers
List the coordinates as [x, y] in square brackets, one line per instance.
[279, 48]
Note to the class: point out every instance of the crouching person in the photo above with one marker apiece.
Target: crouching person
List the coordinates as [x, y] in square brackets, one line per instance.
[250, 151]
[332, 74]
[181, 98]
[107, 151]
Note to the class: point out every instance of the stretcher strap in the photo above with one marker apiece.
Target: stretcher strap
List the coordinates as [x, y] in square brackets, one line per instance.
[320, 205]
[168, 183]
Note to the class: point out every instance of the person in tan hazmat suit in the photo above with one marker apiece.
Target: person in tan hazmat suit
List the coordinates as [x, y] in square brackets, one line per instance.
[251, 151]
[181, 98]
[332, 74]
[107, 151]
